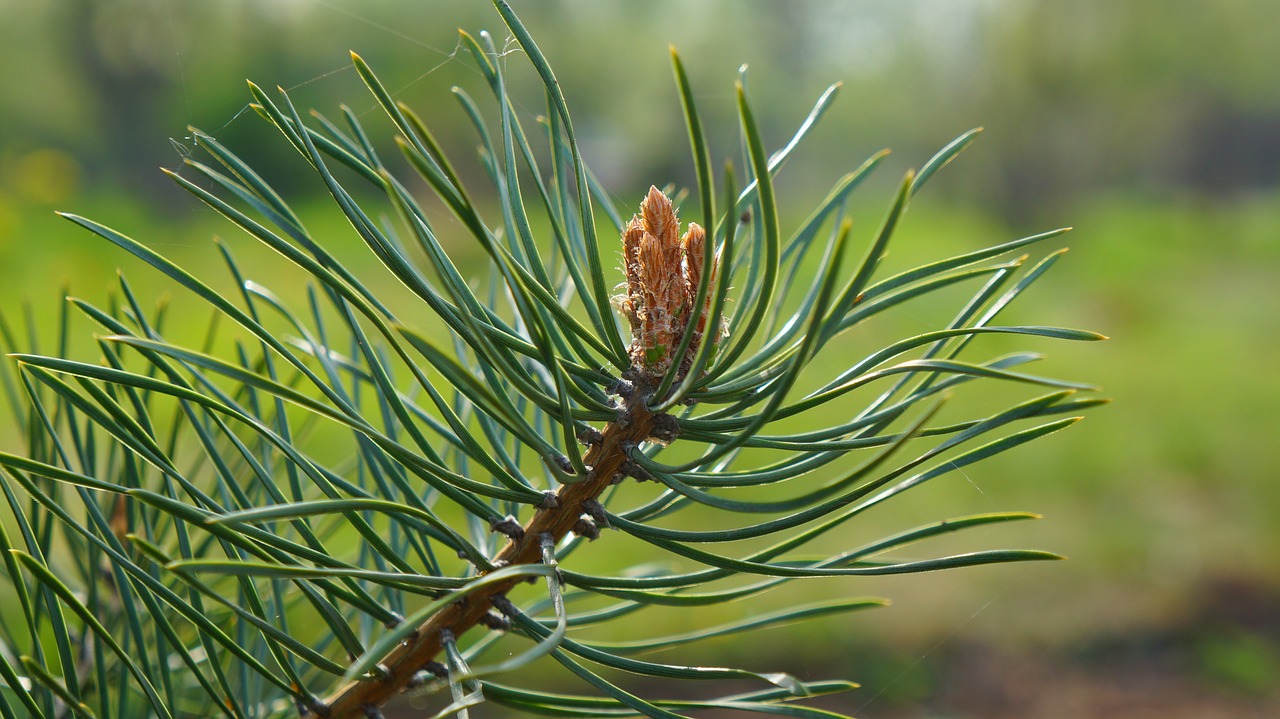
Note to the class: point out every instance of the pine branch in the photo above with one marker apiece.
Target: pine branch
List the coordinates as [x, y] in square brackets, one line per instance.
[203, 527]
[607, 459]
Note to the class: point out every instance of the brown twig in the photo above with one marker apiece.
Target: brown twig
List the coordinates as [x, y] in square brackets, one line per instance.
[398, 669]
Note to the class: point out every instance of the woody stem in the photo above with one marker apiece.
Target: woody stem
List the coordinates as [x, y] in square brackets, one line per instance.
[605, 460]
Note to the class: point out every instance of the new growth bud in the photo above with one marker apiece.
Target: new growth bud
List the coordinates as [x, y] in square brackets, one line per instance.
[663, 270]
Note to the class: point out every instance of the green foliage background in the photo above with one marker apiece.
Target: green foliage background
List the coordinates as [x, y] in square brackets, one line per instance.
[1152, 127]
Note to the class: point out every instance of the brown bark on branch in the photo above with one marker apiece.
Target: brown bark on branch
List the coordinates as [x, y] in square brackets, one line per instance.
[605, 460]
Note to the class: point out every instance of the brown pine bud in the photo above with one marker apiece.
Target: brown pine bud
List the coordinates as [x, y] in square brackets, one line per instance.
[663, 270]
[660, 218]
[632, 236]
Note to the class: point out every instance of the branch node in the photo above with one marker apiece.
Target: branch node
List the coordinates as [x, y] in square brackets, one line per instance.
[666, 428]
[586, 527]
[596, 511]
[589, 436]
[507, 526]
[550, 500]
[496, 622]
[631, 468]
[315, 705]
[623, 415]
[502, 604]
[436, 669]
[623, 388]
[563, 464]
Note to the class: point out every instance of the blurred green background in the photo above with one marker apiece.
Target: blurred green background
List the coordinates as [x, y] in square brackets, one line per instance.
[1151, 126]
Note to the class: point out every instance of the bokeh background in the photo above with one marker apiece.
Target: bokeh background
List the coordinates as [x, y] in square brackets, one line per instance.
[1151, 126]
